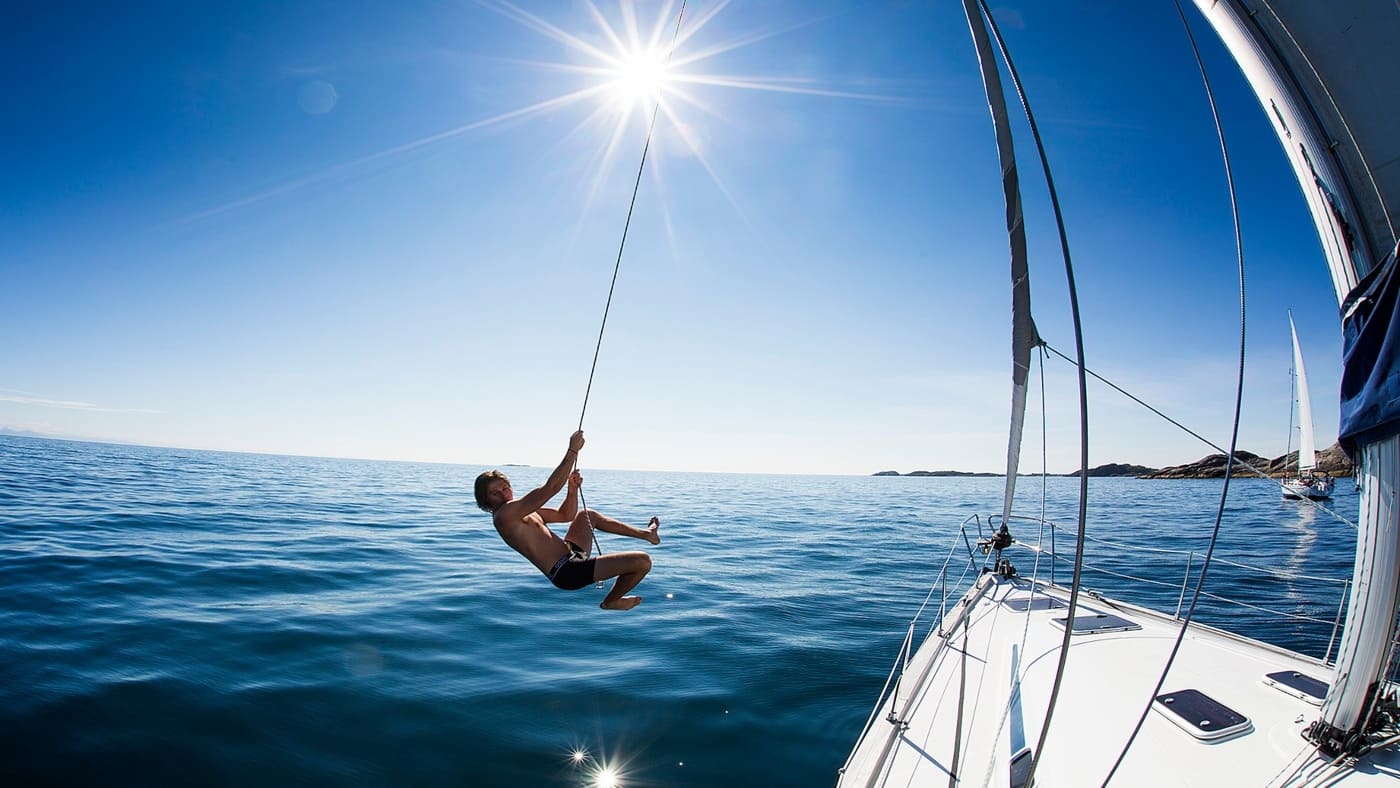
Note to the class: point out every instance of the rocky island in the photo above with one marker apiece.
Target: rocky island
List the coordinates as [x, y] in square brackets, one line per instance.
[936, 473]
[1332, 461]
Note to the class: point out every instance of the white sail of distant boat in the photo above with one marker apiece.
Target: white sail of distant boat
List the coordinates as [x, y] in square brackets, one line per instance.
[1307, 452]
[1306, 483]
[1023, 681]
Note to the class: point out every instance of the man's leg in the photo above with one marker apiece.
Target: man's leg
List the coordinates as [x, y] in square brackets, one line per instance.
[581, 534]
[629, 569]
[608, 525]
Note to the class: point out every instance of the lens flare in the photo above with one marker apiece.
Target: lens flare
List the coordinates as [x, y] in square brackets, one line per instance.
[641, 77]
[627, 69]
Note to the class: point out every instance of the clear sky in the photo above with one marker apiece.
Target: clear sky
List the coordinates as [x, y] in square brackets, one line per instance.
[387, 230]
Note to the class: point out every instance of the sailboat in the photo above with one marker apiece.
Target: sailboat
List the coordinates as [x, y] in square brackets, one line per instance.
[1306, 483]
[1026, 680]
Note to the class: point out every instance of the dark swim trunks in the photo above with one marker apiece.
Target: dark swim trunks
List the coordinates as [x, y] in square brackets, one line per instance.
[574, 570]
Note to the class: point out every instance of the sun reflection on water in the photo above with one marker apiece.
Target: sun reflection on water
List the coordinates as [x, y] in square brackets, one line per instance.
[598, 774]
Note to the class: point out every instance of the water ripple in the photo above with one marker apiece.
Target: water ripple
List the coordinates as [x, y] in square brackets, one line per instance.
[177, 617]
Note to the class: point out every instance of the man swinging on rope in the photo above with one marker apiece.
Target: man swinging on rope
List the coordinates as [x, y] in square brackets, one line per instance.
[521, 523]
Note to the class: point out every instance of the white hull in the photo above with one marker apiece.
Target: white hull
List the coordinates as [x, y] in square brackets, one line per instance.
[1315, 489]
[982, 699]
[961, 720]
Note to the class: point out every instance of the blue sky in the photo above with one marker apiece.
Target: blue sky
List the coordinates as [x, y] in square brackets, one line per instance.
[339, 229]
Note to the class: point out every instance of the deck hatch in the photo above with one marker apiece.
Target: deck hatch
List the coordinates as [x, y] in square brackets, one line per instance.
[1201, 715]
[1098, 623]
[1291, 682]
[1026, 603]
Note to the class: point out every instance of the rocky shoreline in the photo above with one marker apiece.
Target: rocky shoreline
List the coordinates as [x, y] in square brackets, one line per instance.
[1332, 461]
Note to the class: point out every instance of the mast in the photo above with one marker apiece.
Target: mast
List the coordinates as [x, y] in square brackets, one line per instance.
[1307, 449]
[1320, 70]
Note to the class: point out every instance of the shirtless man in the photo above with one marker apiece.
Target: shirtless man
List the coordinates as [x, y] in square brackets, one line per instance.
[521, 523]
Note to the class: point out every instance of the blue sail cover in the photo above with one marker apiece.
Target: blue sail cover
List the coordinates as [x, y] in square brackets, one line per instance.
[1371, 358]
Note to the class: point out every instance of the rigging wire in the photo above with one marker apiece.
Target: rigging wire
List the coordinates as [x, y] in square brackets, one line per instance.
[617, 266]
[1239, 399]
[1083, 389]
[1045, 473]
[1256, 470]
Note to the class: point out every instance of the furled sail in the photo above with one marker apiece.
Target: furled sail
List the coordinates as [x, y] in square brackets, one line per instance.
[1316, 68]
[1307, 449]
[1024, 337]
[1319, 71]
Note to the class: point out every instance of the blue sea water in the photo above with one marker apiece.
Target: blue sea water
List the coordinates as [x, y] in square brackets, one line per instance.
[177, 617]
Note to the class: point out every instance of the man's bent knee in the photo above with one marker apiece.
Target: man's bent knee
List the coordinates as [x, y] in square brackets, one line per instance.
[633, 563]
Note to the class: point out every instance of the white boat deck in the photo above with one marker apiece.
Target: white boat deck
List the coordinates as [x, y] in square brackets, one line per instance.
[960, 728]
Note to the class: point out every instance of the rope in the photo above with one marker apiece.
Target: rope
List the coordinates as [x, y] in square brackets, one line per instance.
[1239, 399]
[617, 266]
[636, 186]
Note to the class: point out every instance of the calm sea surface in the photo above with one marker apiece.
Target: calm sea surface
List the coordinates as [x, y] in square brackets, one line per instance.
[186, 617]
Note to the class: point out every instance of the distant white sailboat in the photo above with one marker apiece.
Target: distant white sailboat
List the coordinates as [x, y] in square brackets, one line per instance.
[1024, 680]
[1306, 483]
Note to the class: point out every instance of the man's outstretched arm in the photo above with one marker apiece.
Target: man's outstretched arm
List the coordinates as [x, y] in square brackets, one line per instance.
[535, 499]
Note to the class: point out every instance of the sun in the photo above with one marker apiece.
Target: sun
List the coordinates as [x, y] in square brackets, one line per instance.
[644, 66]
[640, 78]
[643, 72]
[634, 73]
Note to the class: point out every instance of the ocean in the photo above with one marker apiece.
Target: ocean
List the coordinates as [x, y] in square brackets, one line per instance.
[178, 617]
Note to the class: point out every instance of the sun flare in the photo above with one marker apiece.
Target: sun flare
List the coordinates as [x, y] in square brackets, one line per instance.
[633, 69]
[634, 73]
[625, 75]
[640, 78]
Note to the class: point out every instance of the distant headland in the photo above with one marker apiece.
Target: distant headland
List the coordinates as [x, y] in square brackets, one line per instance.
[935, 473]
[1332, 461]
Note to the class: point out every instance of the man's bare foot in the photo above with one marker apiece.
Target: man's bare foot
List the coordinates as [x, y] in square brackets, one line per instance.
[625, 603]
[652, 536]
